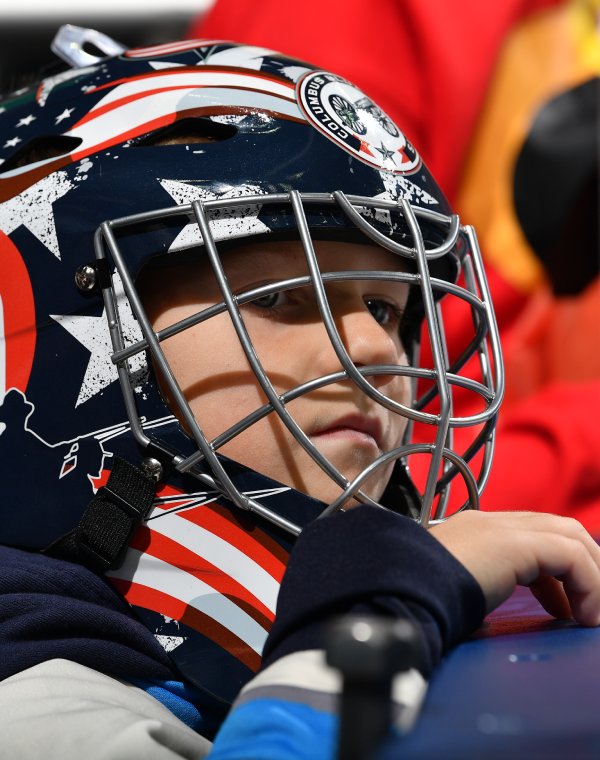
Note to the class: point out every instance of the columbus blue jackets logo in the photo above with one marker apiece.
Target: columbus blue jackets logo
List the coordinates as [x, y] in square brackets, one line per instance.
[344, 114]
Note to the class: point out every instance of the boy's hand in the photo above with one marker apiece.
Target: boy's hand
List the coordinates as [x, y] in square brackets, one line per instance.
[555, 556]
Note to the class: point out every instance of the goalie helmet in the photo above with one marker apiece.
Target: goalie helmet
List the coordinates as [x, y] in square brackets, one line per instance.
[180, 150]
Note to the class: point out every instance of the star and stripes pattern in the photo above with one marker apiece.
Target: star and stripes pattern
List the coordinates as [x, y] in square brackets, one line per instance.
[150, 101]
[138, 105]
[194, 562]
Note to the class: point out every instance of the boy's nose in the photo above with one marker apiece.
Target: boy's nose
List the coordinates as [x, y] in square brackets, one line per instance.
[366, 341]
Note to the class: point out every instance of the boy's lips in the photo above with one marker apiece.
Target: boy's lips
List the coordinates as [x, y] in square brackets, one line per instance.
[353, 426]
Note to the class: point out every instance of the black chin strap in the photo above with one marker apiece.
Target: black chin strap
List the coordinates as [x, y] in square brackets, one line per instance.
[106, 527]
[401, 494]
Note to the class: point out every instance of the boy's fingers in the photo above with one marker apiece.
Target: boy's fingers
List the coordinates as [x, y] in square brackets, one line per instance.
[551, 595]
[553, 555]
[568, 552]
[568, 562]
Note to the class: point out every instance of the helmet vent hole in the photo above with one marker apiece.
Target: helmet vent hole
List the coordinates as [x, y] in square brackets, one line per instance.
[41, 149]
[93, 50]
[188, 132]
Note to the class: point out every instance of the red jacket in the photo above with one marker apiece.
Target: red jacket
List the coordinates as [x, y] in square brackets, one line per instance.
[429, 66]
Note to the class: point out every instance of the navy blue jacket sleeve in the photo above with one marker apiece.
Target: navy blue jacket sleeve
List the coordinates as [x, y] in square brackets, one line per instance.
[369, 560]
[54, 609]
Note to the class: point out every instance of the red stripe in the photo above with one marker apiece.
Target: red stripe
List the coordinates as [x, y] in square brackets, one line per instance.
[230, 522]
[269, 544]
[19, 315]
[129, 99]
[170, 551]
[11, 186]
[222, 522]
[157, 601]
[147, 93]
[154, 51]
[149, 75]
[157, 123]
[139, 129]
[229, 525]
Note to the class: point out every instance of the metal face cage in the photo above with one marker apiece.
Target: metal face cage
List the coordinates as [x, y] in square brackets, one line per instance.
[433, 386]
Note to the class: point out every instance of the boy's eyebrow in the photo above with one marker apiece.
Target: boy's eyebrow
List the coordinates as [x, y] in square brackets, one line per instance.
[259, 262]
[253, 261]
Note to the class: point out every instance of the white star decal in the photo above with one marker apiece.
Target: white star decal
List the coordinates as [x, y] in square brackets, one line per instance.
[236, 222]
[33, 209]
[293, 72]
[13, 142]
[94, 334]
[160, 65]
[26, 121]
[169, 643]
[180, 502]
[401, 187]
[64, 115]
[248, 56]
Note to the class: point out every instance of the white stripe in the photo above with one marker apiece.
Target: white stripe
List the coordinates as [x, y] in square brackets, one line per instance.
[156, 574]
[194, 79]
[221, 554]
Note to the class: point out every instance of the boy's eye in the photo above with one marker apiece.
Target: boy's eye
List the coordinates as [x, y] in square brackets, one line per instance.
[270, 301]
[383, 312]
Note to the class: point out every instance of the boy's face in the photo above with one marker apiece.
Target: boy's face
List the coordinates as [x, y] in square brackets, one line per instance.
[287, 332]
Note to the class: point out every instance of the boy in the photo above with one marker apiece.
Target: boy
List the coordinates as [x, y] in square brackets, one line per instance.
[222, 258]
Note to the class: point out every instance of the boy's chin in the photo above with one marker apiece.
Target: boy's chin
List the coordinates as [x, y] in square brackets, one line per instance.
[322, 487]
[330, 492]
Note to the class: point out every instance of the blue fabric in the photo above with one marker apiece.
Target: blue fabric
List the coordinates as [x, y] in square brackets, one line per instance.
[273, 729]
[175, 696]
[192, 706]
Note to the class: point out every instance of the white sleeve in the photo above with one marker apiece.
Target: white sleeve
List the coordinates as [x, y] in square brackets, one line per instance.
[59, 710]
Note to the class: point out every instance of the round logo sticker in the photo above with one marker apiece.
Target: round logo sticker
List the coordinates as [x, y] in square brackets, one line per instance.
[344, 114]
